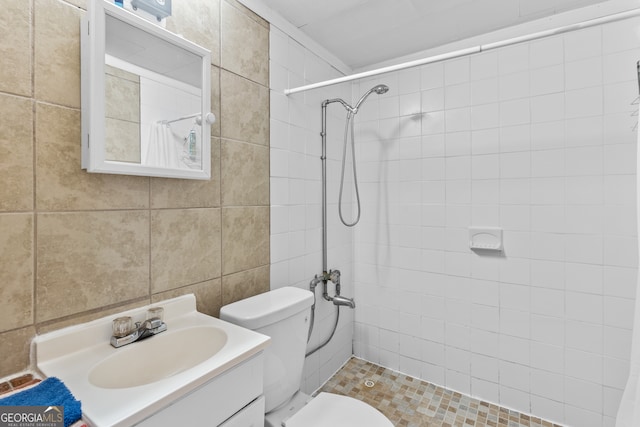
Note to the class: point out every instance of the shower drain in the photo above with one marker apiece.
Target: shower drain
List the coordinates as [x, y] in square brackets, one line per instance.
[369, 383]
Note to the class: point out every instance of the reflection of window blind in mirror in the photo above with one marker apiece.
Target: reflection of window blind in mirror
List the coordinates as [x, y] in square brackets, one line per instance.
[144, 50]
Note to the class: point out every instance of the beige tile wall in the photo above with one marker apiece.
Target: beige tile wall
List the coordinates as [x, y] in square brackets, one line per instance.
[77, 246]
[122, 115]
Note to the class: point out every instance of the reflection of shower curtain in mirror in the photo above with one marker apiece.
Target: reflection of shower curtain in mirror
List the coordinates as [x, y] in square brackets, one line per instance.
[164, 148]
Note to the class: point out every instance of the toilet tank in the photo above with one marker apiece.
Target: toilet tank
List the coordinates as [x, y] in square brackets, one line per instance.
[283, 315]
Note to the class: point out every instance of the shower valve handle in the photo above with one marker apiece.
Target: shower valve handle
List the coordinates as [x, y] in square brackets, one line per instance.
[334, 276]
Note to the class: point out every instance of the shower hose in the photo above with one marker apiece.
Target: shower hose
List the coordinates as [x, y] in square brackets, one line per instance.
[312, 287]
[335, 326]
[349, 125]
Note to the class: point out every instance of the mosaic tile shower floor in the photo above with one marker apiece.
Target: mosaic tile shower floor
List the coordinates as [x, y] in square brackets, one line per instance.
[409, 402]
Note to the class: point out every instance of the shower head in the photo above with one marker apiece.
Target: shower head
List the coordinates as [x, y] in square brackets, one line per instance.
[379, 89]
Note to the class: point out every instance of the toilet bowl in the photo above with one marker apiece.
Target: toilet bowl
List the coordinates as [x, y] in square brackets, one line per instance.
[333, 410]
[283, 314]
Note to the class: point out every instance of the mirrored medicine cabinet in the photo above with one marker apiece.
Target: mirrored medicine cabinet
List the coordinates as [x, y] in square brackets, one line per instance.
[146, 96]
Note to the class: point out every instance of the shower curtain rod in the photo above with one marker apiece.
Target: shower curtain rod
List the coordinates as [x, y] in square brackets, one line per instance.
[467, 51]
[208, 117]
[190, 116]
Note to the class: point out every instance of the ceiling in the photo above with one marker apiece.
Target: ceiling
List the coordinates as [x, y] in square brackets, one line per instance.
[365, 32]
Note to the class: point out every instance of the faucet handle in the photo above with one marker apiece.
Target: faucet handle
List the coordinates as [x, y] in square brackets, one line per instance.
[155, 312]
[122, 326]
[334, 276]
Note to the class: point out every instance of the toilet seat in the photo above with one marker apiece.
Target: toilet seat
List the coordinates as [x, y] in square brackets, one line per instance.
[332, 410]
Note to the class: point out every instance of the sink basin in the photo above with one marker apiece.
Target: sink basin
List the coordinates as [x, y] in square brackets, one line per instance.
[121, 387]
[158, 357]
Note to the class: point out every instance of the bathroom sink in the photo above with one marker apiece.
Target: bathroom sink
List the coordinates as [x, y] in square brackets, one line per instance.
[152, 359]
[121, 387]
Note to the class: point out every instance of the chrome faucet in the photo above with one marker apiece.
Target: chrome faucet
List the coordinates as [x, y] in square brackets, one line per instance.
[142, 330]
[337, 299]
[340, 300]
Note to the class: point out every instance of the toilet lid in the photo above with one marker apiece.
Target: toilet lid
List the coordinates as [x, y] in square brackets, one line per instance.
[332, 410]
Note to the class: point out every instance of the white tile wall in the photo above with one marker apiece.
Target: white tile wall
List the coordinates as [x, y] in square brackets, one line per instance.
[537, 139]
[296, 237]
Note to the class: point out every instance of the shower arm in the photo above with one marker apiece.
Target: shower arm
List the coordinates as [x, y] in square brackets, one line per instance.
[348, 107]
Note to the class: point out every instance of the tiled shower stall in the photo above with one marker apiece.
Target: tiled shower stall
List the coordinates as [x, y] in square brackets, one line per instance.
[539, 139]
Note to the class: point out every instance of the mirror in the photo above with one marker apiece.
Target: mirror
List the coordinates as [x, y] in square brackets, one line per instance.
[146, 96]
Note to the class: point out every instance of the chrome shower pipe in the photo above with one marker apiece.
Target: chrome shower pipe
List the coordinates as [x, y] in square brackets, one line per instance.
[326, 276]
[341, 101]
[323, 158]
[323, 134]
[333, 275]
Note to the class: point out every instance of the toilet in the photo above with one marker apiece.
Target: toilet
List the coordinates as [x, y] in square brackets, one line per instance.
[283, 314]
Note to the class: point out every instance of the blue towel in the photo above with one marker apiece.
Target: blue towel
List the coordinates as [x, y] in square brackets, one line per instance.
[50, 392]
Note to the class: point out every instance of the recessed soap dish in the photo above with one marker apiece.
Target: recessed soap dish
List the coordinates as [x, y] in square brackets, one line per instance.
[485, 238]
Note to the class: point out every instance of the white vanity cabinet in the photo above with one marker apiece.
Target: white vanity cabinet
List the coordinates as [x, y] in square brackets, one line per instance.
[169, 387]
[233, 399]
[250, 416]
